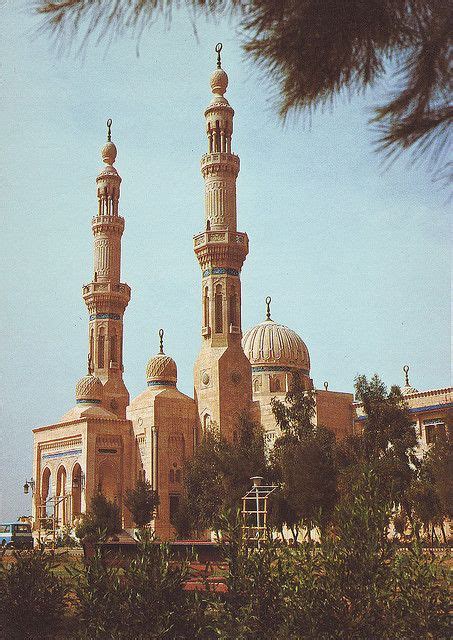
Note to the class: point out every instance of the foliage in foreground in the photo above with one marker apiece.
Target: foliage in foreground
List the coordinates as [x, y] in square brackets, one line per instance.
[32, 597]
[354, 584]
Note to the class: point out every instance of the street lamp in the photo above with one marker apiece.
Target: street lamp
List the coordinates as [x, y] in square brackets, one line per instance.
[29, 484]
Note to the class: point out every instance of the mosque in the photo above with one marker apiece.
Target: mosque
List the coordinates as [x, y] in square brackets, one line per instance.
[106, 442]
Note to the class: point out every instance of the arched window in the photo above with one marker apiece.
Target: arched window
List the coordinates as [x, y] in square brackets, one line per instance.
[178, 475]
[206, 307]
[61, 514]
[274, 384]
[91, 346]
[107, 481]
[113, 348]
[256, 385]
[101, 348]
[233, 309]
[76, 490]
[206, 422]
[218, 309]
[171, 475]
[46, 490]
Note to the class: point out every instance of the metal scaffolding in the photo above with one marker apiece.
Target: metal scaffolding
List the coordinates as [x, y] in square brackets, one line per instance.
[254, 512]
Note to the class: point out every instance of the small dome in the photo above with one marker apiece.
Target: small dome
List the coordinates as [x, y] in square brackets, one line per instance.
[108, 153]
[407, 390]
[274, 344]
[219, 82]
[161, 369]
[89, 389]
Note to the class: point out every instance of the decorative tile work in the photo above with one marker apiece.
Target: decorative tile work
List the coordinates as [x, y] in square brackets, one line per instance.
[87, 401]
[166, 383]
[272, 367]
[62, 454]
[216, 271]
[432, 407]
[105, 316]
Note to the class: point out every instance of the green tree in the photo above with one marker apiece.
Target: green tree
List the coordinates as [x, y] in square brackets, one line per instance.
[218, 476]
[304, 463]
[142, 502]
[387, 442]
[431, 492]
[33, 597]
[101, 520]
[317, 51]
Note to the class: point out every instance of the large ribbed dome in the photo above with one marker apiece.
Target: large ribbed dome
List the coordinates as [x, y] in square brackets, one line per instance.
[272, 344]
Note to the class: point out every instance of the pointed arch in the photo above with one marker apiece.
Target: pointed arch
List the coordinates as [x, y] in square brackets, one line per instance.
[218, 309]
[101, 348]
[46, 489]
[107, 481]
[61, 508]
[76, 490]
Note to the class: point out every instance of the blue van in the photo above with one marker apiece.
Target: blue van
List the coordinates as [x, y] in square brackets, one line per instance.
[16, 535]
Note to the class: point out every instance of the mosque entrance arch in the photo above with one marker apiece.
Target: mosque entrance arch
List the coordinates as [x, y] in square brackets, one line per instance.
[46, 490]
[61, 514]
[76, 490]
[107, 482]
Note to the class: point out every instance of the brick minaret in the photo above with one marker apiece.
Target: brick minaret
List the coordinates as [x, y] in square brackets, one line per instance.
[106, 296]
[222, 373]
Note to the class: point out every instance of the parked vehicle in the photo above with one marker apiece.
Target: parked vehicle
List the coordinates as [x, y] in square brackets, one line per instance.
[16, 535]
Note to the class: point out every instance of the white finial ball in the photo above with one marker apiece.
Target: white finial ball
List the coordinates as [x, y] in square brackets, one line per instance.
[219, 82]
[108, 153]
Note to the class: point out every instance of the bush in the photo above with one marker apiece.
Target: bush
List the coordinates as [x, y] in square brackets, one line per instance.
[32, 601]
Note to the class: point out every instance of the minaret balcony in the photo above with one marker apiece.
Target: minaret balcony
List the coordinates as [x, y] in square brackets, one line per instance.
[220, 161]
[106, 295]
[108, 223]
[220, 236]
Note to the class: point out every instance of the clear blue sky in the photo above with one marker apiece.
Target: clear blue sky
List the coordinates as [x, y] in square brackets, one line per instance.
[356, 258]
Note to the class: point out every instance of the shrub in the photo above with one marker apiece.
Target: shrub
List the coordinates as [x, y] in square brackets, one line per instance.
[32, 602]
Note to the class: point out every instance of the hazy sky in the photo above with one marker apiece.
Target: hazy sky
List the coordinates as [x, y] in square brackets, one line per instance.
[356, 258]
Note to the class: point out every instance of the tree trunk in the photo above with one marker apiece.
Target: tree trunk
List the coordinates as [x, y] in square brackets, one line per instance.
[444, 535]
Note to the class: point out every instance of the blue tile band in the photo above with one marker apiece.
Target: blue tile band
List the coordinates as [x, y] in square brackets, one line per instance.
[105, 316]
[162, 383]
[87, 401]
[218, 271]
[62, 454]
[431, 407]
[276, 367]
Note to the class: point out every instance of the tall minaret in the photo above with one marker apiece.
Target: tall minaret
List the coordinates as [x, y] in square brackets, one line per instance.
[222, 373]
[106, 296]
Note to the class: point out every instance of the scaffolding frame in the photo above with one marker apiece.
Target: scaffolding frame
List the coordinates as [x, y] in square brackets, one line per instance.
[254, 512]
[60, 510]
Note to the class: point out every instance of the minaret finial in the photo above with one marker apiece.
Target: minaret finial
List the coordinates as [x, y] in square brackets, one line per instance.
[268, 307]
[218, 49]
[109, 130]
[326, 385]
[161, 336]
[406, 372]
